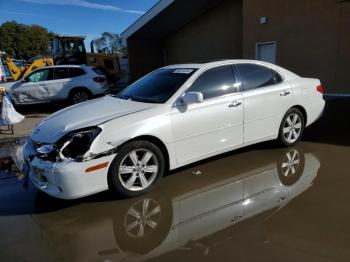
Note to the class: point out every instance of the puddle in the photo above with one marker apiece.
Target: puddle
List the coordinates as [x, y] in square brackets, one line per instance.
[11, 160]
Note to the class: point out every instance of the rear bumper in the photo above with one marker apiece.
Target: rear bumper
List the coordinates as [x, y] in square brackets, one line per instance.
[68, 179]
[315, 112]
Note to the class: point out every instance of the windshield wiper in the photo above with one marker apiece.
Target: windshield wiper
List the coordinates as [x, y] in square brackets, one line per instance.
[132, 98]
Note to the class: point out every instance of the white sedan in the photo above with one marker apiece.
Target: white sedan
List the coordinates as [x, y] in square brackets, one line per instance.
[170, 118]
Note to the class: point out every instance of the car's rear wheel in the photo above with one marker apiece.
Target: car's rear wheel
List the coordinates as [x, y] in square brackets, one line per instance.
[79, 96]
[137, 167]
[292, 127]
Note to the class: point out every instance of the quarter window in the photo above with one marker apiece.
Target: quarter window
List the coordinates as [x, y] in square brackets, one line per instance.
[255, 76]
[215, 82]
[74, 72]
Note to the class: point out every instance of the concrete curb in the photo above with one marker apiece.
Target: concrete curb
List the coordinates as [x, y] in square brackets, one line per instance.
[11, 138]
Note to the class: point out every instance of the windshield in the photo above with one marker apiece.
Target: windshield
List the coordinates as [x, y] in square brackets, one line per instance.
[158, 86]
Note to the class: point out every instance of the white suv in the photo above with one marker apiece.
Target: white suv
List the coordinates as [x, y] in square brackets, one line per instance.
[77, 83]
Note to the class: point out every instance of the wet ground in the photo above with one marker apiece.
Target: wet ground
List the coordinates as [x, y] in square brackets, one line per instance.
[262, 203]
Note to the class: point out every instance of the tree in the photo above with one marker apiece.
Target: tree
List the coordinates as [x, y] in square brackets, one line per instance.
[24, 41]
[110, 43]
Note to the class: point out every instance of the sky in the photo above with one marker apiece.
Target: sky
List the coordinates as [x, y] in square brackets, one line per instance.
[89, 18]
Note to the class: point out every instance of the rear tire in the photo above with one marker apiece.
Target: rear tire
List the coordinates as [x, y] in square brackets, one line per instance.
[292, 127]
[135, 170]
[79, 95]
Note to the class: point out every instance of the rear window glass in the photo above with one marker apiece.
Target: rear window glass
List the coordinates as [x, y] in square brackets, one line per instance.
[256, 76]
[215, 82]
[61, 73]
[74, 72]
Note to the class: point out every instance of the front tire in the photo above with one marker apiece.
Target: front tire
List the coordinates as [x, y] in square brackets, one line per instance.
[292, 127]
[137, 167]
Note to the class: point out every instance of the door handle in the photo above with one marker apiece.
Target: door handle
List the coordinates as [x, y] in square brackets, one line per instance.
[235, 104]
[285, 93]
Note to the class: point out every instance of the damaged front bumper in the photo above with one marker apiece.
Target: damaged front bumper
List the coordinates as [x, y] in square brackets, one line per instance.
[68, 179]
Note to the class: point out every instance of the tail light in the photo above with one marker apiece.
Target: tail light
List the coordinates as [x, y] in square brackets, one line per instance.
[320, 89]
[99, 79]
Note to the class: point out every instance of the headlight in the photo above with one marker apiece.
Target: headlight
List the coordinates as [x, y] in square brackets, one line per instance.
[76, 144]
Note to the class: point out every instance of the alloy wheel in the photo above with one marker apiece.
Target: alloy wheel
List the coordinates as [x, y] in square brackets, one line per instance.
[292, 128]
[142, 218]
[80, 97]
[290, 163]
[138, 170]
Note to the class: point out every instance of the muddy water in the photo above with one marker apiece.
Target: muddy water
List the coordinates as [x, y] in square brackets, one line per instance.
[262, 203]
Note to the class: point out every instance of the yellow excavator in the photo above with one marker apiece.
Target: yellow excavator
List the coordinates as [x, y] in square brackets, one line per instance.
[68, 50]
[18, 72]
[71, 50]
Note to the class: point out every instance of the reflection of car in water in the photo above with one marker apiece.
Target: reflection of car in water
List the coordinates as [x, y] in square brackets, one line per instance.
[226, 192]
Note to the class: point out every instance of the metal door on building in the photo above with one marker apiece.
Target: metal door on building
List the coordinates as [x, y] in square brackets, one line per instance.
[266, 52]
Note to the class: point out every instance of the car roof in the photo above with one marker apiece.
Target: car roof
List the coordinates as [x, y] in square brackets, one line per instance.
[65, 66]
[207, 65]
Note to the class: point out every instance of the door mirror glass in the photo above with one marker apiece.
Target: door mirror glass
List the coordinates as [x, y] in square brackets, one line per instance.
[192, 98]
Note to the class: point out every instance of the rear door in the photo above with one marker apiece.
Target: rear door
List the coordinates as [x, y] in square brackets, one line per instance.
[59, 86]
[267, 97]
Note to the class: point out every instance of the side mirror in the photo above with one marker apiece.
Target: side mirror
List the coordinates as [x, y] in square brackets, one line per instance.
[192, 98]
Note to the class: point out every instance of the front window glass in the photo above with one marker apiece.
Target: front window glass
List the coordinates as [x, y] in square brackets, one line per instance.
[158, 86]
[61, 73]
[215, 82]
[42, 75]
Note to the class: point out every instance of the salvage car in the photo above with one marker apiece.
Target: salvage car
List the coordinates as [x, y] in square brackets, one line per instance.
[76, 83]
[170, 118]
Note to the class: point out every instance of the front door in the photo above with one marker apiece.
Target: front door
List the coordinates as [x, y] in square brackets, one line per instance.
[34, 88]
[213, 125]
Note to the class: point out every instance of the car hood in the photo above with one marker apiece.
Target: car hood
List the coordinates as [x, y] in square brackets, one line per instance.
[87, 114]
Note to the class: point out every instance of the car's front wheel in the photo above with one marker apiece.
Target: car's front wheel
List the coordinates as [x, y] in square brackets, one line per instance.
[292, 127]
[137, 167]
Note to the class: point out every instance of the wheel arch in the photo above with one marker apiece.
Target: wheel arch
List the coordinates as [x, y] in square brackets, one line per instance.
[158, 142]
[303, 111]
[74, 89]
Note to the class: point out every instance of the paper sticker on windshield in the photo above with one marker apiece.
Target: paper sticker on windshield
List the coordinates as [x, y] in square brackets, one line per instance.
[183, 71]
